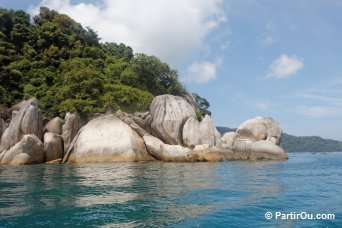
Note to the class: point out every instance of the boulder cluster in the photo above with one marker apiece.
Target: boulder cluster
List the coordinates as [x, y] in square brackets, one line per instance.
[169, 132]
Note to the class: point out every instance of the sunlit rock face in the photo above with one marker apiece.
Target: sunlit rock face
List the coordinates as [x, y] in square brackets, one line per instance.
[29, 150]
[197, 133]
[107, 139]
[169, 114]
[259, 138]
[227, 139]
[54, 126]
[27, 120]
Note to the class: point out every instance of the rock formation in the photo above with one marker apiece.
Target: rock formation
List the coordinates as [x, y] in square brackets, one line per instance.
[53, 146]
[169, 114]
[70, 128]
[106, 139]
[169, 132]
[259, 138]
[54, 126]
[197, 133]
[28, 151]
[28, 120]
[227, 139]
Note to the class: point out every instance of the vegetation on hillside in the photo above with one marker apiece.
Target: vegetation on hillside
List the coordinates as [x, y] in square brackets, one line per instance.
[65, 66]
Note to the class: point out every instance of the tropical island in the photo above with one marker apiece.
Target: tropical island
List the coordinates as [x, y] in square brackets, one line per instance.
[66, 97]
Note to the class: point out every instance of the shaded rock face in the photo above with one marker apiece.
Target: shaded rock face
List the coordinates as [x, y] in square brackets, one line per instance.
[28, 151]
[169, 114]
[106, 139]
[197, 133]
[130, 121]
[28, 120]
[259, 138]
[53, 146]
[70, 128]
[2, 127]
[54, 126]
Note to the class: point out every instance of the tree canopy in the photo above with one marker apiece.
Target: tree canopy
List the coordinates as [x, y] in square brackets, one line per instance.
[67, 68]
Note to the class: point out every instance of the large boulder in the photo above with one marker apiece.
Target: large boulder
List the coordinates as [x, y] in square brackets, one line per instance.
[28, 120]
[29, 150]
[260, 128]
[266, 150]
[227, 139]
[166, 152]
[106, 139]
[259, 138]
[197, 133]
[54, 126]
[53, 146]
[72, 125]
[169, 114]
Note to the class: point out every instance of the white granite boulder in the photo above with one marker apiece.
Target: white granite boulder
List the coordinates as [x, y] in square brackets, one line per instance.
[106, 139]
[197, 133]
[28, 120]
[169, 114]
[29, 150]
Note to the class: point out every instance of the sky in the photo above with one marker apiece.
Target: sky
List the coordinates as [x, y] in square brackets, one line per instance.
[248, 58]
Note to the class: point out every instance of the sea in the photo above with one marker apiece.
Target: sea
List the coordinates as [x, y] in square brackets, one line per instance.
[303, 191]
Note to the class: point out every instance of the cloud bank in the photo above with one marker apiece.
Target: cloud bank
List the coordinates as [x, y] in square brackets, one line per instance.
[285, 66]
[171, 30]
[202, 72]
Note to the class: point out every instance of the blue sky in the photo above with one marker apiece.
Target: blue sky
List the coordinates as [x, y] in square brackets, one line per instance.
[248, 58]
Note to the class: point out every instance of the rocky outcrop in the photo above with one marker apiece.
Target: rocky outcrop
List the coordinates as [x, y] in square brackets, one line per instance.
[166, 152]
[28, 151]
[144, 120]
[169, 114]
[227, 139]
[197, 133]
[214, 154]
[259, 138]
[53, 146]
[54, 126]
[106, 139]
[260, 128]
[28, 120]
[70, 128]
[130, 121]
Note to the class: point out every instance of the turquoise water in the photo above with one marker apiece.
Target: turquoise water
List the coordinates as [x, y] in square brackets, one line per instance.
[154, 194]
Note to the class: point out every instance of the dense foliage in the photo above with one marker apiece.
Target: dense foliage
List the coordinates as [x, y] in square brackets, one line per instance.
[65, 66]
[292, 143]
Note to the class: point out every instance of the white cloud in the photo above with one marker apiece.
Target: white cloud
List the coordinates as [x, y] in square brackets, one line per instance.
[268, 40]
[285, 66]
[171, 30]
[202, 72]
[317, 111]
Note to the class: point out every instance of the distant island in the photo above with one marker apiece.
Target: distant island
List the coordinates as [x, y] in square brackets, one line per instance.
[292, 143]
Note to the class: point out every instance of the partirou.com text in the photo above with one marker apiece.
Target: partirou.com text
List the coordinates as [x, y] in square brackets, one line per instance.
[299, 215]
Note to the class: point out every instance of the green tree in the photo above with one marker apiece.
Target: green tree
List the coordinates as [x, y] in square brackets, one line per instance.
[202, 105]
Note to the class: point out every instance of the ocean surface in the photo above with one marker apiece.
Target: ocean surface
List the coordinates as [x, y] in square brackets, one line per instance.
[155, 194]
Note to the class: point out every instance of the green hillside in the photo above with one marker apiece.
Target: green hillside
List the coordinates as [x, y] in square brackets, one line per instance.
[67, 68]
